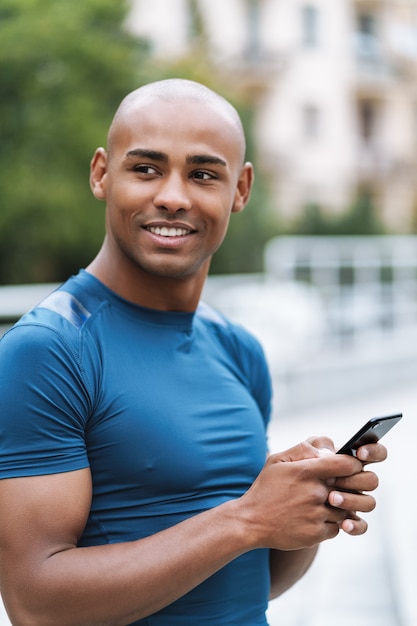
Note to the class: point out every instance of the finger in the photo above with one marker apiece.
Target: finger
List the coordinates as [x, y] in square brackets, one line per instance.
[354, 525]
[372, 453]
[330, 466]
[352, 501]
[364, 481]
[322, 443]
[334, 515]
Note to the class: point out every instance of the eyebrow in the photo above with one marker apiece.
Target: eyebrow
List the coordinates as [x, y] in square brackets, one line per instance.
[202, 159]
[194, 159]
[153, 155]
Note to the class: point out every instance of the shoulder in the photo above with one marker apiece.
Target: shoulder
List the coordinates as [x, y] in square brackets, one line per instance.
[231, 333]
[244, 352]
[47, 384]
[64, 313]
[52, 334]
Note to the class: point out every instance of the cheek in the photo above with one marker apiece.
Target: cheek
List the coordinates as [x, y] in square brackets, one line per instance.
[123, 204]
[220, 225]
[124, 196]
[119, 219]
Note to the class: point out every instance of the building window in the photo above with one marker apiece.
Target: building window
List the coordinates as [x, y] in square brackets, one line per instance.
[368, 112]
[367, 24]
[310, 26]
[253, 44]
[367, 36]
[311, 122]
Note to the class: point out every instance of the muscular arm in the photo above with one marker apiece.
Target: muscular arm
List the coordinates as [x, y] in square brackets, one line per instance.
[47, 580]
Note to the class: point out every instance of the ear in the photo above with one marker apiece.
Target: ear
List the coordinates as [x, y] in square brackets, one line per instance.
[98, 174]
[244, 187]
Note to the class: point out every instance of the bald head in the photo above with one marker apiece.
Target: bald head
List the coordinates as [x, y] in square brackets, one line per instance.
[176, 90]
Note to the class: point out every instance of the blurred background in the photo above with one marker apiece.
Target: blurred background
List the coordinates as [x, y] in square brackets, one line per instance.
[322, 264]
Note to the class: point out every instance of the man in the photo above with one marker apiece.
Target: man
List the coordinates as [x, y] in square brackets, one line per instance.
[135, 486]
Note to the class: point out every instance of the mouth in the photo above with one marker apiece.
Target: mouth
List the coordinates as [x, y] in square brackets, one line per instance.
[170, 232]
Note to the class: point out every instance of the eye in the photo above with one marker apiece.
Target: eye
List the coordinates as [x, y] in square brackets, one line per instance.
[203, 175]
[144, 169]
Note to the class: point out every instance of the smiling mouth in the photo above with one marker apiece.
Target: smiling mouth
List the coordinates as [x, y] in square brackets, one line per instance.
[164, 231]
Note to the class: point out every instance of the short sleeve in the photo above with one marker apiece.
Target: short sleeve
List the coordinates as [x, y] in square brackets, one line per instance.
[44, 403]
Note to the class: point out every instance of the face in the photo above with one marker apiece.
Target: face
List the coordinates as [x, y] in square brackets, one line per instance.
[173, 176]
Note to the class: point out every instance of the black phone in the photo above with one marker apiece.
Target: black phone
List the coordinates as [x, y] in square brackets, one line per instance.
[371, 432]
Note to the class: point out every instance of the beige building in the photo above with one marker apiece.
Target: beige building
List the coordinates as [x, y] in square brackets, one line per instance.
[335, 87]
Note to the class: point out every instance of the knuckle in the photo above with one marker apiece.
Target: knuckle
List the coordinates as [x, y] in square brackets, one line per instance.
[320, 441]
[304, 448]
[332, 530]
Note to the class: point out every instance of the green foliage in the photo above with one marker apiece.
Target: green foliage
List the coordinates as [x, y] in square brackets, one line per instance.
[64, 66]
[360, 219]
[243, 248]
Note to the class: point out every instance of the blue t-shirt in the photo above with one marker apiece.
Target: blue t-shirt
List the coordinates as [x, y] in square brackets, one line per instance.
[168, 410]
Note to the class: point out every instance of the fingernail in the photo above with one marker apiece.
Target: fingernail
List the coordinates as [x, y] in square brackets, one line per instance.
[337, 499]
[348, 526]
[363, 454]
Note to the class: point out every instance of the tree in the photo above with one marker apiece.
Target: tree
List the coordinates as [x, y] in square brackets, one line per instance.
[248, 232]
[64, 68]
[360, 218]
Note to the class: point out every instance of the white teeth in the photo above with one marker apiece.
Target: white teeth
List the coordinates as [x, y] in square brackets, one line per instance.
[168, 232]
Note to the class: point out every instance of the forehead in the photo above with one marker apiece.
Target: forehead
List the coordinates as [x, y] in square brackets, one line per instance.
[180, 125]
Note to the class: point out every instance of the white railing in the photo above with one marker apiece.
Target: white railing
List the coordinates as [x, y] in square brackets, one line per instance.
[367, 283]
[15, 300]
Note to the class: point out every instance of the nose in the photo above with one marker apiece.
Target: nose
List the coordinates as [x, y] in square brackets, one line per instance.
[172, 194]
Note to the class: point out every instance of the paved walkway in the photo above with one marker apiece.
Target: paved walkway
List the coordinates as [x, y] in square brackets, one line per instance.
[368, 580]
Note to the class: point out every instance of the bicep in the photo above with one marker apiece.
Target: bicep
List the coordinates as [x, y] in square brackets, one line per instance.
[40, 516]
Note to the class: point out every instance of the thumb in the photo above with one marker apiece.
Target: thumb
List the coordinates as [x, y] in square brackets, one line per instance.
[300, 452]
[322, 443]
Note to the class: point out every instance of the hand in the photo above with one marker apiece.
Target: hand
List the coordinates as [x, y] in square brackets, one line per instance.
[287, 506]
[350, 496]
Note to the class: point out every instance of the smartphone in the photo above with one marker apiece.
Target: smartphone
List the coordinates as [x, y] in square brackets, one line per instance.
[371, 432]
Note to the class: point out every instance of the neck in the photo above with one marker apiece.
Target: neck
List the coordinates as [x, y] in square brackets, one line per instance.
[149, 290]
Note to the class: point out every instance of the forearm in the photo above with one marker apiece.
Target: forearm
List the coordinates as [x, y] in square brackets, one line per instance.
[117, 584]
[288, 567]
[47, 580]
